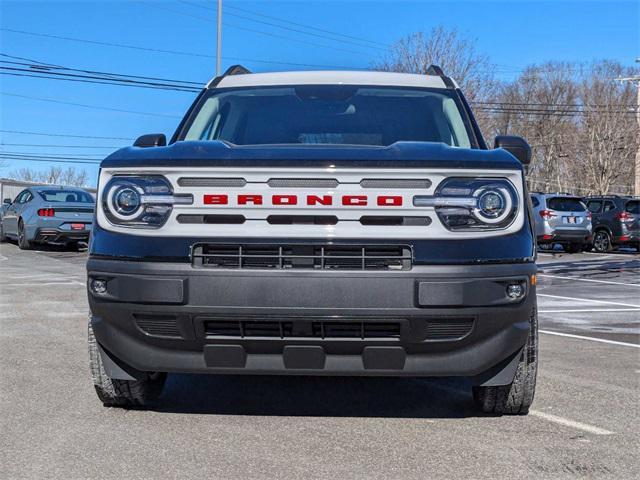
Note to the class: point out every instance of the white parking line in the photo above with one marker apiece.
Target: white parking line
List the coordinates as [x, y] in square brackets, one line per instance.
[592, 339]
[545, 416]
[589, 280]
[590, 310]
[630, 256]
[605, 302]
[570, 423]
[41, 284]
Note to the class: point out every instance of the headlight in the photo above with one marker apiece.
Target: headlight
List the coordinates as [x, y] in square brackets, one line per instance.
[473, 203]
[140, 201]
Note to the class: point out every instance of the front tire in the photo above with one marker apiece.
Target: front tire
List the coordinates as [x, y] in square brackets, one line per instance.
[122, 393]
[515, 398]
[3, 237]
[23, 241]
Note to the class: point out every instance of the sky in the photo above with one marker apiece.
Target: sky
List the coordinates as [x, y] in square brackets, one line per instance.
[513, 34]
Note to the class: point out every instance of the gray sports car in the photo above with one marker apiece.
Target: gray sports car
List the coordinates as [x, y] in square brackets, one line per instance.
[47, 214]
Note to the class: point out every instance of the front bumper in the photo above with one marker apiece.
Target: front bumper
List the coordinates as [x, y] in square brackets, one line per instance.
[428, 321]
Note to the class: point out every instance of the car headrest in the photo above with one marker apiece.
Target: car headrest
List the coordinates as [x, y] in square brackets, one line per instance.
[70, 198]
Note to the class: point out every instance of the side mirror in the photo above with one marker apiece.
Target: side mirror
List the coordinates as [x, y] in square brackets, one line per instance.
[151, 140]
[7, 201]
[516, 146]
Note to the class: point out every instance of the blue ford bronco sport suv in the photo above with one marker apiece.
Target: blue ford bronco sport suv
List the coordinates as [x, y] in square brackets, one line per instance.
[316, 223]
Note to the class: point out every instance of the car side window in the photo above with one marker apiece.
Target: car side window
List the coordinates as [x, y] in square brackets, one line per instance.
[27, 197]
[594, 206]
[609, 205]
[20, 197]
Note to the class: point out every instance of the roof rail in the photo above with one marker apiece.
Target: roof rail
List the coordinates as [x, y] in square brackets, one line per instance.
[437, 71]
[232, 70]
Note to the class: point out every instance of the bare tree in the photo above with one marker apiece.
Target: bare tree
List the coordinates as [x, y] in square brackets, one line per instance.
[456, 54]
[539, 106]
[54, 175]
[608, 133]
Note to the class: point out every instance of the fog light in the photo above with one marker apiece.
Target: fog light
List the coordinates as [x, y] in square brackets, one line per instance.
[98, 286]
[515, 291]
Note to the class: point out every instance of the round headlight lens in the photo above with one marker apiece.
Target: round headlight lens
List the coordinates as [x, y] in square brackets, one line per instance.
[491, 204]
[127, 201]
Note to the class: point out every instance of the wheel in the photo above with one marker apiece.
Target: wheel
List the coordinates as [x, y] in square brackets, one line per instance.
[3, 237]
[602, 241]
[23, 242]
[515, 398]
[122, 393]
[573, 248]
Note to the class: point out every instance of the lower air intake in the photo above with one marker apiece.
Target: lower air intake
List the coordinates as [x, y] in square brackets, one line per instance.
[158, 325]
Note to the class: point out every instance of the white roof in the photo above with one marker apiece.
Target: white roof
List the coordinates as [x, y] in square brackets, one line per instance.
[325, 77]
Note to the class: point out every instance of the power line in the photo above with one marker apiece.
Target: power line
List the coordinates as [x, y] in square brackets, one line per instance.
[61, 155]
[261, 32]
[103, 78]
[95, 107]
[53, 145]
[38, 65]
[169, 52]
[24, 132]
[54, 160]
[310, 27]
[296, 30]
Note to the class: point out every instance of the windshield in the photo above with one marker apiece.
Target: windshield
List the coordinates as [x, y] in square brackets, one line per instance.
[71, 196]
[329, 114]
[566, 204]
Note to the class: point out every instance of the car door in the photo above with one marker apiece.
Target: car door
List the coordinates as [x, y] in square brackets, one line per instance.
[10, 218]
[609, 217]
[595, 207]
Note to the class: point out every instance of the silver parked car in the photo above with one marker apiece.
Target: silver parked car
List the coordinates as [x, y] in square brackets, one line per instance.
[47, 214]
[561, 218]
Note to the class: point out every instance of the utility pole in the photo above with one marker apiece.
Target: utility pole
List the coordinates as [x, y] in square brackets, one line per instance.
[636, 183]
[219, 41]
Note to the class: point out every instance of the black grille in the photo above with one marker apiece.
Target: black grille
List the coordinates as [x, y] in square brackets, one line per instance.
[158, 325]
[212, 219]
[448, 329]
[299, 328]
[312, 257]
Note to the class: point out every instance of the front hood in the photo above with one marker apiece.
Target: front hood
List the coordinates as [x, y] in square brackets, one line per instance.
[399, 154]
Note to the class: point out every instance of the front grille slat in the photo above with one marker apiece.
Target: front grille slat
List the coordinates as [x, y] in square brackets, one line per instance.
[303, 256]
[250, 328]
[423, 329]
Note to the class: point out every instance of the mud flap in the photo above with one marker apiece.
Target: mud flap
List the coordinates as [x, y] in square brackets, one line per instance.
[116, 369]
[501, 374]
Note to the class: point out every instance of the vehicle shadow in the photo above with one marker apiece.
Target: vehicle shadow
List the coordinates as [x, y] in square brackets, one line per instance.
[317, 396]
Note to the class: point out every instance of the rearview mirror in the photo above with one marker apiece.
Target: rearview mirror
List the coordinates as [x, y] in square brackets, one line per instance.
[151, 140]
[7, 201]
[516, 146]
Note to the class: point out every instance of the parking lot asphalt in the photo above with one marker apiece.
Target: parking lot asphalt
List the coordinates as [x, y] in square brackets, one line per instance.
[584, 422]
